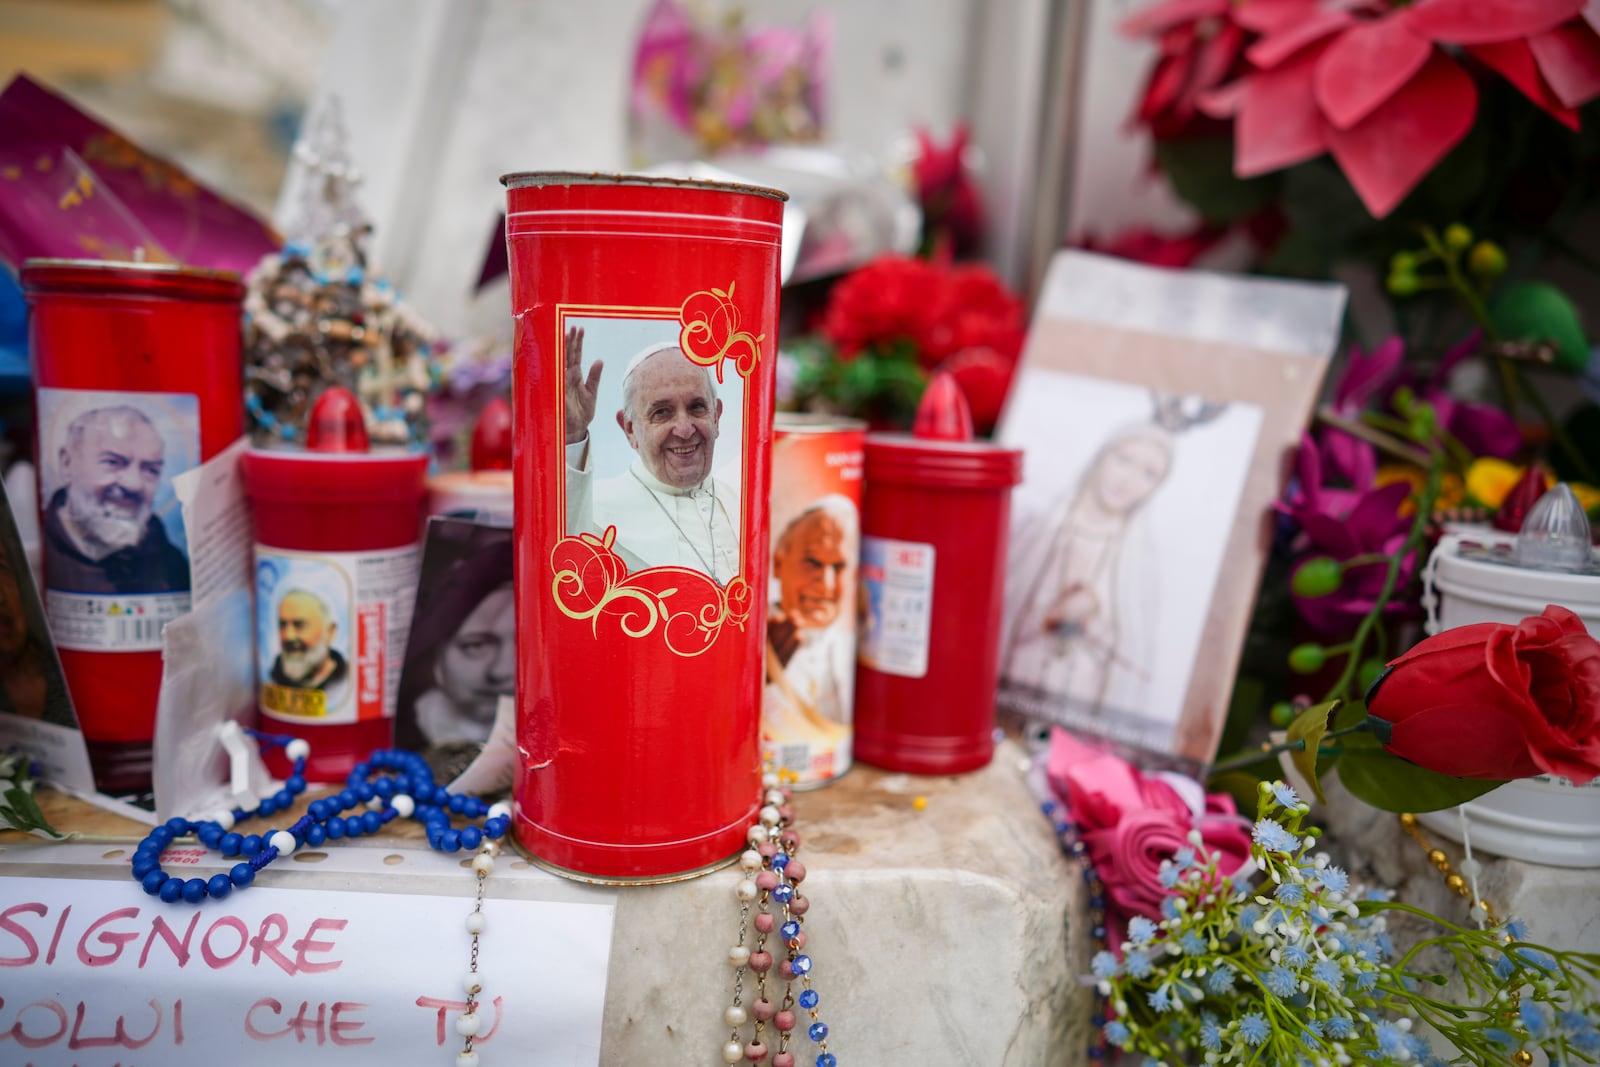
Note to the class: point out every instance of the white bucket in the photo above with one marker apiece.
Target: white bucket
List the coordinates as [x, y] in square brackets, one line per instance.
[1542, 820]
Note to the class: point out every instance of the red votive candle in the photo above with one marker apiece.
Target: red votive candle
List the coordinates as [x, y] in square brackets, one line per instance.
[137, 377]
[338, 542]
[935, 511]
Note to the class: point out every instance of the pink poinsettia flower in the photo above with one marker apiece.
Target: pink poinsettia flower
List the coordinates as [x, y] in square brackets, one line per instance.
[1343, 524]
[1379, 84]
[1200, 46]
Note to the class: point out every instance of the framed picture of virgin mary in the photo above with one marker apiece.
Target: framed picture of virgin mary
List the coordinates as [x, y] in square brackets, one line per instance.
[1156, 437]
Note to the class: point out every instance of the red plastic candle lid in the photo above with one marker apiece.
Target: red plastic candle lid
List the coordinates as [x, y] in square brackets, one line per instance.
[336, 466]
[940, 452]
[110, 276]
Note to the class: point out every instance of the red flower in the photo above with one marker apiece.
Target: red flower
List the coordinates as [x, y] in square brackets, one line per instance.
[1158, 249]
[890, 300]
[952, 208]
[1201, 46]
[1373, 83]
[1493, 700]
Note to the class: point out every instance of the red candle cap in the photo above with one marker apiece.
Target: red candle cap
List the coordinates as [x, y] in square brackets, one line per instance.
[1523, 496]
[491, 438]
[337, 424]
[943, 414]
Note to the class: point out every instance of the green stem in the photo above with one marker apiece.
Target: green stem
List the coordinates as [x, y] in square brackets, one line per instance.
[1479, 311]
[1391, 577]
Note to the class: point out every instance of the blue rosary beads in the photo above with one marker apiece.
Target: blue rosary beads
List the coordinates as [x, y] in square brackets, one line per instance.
[408, 793]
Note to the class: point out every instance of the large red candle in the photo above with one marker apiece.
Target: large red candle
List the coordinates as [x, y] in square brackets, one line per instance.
[138, 377]
[646, 330]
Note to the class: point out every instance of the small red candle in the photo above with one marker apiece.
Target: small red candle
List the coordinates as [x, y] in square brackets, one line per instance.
[338, 543]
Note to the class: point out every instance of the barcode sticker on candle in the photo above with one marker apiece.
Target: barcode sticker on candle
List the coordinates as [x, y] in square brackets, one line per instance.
[897, 586]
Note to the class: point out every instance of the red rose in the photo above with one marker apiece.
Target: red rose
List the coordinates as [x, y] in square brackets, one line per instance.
[1493, 700]
[891, 299]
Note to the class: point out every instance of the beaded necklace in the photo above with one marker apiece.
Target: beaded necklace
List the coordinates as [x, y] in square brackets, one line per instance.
[771, 875]
[1067, 833]
[408, 793]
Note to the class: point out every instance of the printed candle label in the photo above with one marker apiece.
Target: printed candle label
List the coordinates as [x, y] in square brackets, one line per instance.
[332, 628]
[116, 557]
[897, 586]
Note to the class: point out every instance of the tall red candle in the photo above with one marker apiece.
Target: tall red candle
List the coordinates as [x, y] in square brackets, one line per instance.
[138, 377]
[935, 511]
[646, 330]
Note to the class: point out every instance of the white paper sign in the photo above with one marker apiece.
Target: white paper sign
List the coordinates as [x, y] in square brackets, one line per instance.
[97, 973]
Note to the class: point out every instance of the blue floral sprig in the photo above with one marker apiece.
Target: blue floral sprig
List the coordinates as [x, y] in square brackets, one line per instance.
[1302, 969]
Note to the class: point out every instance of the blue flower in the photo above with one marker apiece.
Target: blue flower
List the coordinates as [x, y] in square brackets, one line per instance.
[1210, 1034]
[1169, 908]
[1280, 980]
[1419, 1047]
[1254, 1029]
[1184, 858]
[1504, 968]
[1328, 973]
[1248, 916]
[1291, 893]
[1296, 956]
[1285, 795]
[1580, 1030]
[1160, 999]
[1536, 1017]
[1118, 1033]
[1220, 980]
[1141, 930]
[1516, 929]
[1500, 1037]
[1366, 980]
[1390, 1038]
[1340, 1027]
[1104, 965]
[1534, 958]
[1192, 944]
[1333, 879]
[1168, 876]
[1271, 835]
[1137, 964]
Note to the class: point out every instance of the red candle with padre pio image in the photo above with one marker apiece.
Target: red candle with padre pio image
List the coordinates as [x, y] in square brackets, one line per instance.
[138, 377]
[646, 333]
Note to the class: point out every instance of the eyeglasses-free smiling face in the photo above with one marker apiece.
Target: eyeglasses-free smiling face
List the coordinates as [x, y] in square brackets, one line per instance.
[671, 415]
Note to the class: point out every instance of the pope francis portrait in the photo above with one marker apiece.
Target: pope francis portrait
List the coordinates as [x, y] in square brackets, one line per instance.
[667, 507]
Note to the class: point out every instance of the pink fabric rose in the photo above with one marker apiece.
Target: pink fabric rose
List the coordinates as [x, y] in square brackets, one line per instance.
[1131, 822]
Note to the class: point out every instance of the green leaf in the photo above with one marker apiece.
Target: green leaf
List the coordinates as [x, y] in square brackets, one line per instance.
[21, 812]
[1390, 783]
[1201, 172]
[1309, 727]
[1538, 311]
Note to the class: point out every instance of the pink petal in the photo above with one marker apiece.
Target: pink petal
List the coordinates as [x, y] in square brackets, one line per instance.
[1569, 59]
[1279, 124]
[1224, 101]
[1269, 16]
[1164, 16]
[1389, 152]
[1488, 21]
[1366, 65]
[1378, 514]
[1272, 50]
[1591, 14]
[1513, 60]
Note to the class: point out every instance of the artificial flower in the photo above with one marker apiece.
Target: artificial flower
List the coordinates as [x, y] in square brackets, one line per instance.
[1200, 45]
[1490, 480]
[1380, 85]
[952, 206]
[1142, 245]
[1483, 429]
[1452, 491]
[1343, 524]
[1132, 821]
[1366, 378]
[1492, 700]
[885, 302]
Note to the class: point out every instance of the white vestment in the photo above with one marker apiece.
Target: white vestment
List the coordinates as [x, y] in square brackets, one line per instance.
[658, 525]
[821, 673]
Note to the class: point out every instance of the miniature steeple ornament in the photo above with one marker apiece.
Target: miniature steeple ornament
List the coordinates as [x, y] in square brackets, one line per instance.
[328, 204]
